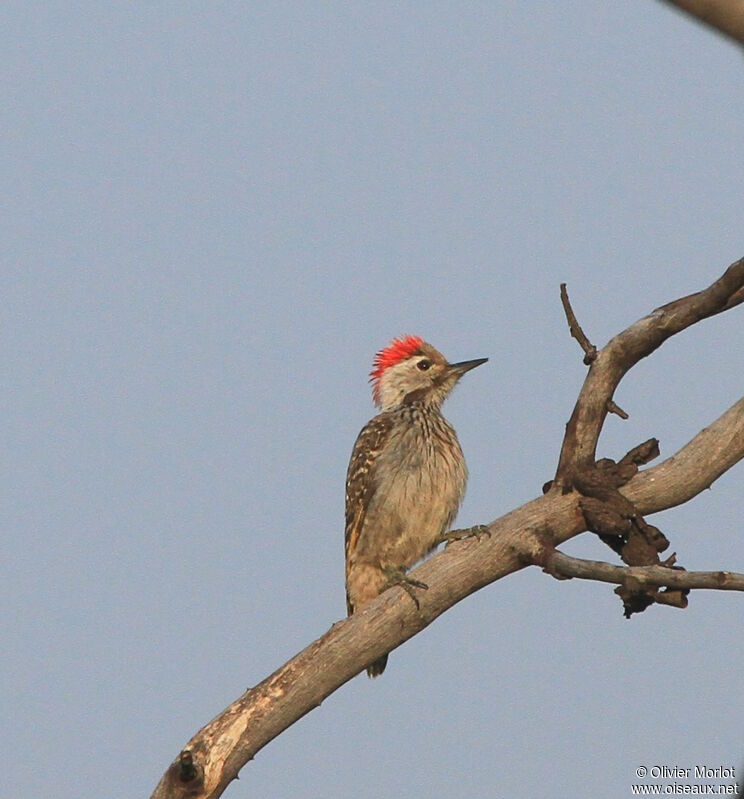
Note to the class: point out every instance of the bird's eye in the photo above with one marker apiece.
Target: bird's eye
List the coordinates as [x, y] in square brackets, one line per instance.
[423, 365]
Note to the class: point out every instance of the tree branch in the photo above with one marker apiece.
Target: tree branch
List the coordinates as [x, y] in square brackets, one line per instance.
[527, 535]
[625, 350]
[565, 566]
[590, 351]
[711, 453]
[725, 16]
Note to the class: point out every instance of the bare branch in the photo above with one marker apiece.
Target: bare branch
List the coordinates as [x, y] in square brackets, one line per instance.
[590, 351]
[725, 16]
[613, 407]
[566, 566]
[713, 451]
[624, 351]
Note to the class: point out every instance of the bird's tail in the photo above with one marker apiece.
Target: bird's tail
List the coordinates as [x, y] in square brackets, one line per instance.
[375, 669]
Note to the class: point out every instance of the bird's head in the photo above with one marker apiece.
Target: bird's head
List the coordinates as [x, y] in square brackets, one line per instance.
[409, 370]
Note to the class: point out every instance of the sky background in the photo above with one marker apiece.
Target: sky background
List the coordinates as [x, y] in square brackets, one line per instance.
[212, 216]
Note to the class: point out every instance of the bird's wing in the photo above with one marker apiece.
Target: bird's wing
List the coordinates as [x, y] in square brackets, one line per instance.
[360, 481]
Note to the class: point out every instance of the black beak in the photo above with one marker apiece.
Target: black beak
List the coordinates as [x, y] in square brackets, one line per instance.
[465, 366]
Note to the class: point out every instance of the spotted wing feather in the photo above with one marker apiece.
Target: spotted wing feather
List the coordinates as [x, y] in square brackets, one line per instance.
[360, 481]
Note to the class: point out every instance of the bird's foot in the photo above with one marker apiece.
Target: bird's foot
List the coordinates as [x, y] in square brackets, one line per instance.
[477, 532]
[399, 577]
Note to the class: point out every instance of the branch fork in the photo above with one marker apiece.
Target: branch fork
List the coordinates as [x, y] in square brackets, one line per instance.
[606, 510]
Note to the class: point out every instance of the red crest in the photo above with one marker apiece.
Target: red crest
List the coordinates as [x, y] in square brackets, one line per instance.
[398, 350]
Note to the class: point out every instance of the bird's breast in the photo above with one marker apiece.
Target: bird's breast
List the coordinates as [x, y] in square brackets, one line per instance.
[421, 486]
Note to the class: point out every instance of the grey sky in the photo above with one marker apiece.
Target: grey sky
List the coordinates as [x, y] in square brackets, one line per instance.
[213, 215]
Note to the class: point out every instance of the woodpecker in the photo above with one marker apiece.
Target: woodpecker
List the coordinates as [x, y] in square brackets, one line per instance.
[407, 474]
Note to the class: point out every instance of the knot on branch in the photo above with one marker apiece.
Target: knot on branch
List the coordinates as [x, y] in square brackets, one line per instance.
[618, 523]
[186, 777]
[637, 595]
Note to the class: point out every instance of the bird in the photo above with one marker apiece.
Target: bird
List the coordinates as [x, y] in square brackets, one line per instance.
[407, 474]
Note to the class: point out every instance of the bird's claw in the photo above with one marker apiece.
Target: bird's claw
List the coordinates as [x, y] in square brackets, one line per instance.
[478, 531]
[400, 578]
